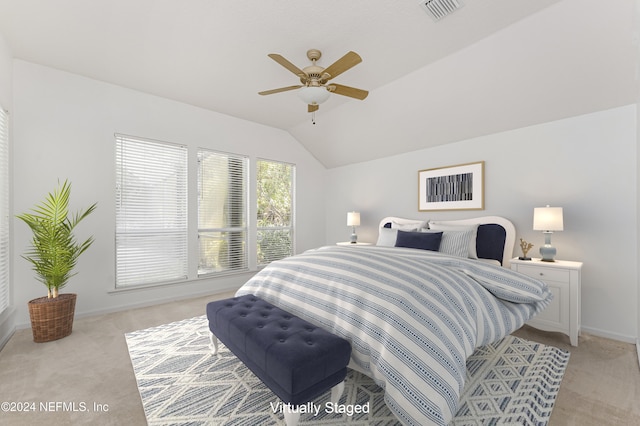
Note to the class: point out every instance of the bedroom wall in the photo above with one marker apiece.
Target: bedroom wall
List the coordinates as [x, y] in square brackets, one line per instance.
[64, 127]
[585, 164]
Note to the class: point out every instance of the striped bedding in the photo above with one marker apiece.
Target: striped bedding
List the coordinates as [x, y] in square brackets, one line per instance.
[412, 316]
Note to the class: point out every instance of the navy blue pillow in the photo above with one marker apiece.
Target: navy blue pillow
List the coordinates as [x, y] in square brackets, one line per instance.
[419, 240]
[490, 241]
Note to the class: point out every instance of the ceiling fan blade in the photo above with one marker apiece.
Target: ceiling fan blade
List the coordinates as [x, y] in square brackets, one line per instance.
[282, 89]
[348, 61]
[352, 92]
[312, 108]
[288, 65]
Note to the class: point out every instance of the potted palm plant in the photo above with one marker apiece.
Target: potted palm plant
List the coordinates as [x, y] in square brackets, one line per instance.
[53, 255]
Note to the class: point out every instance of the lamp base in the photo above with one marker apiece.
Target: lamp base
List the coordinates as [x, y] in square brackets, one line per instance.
[548, 253]
[354, 238]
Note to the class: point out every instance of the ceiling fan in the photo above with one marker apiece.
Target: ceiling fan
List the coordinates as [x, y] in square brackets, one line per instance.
[315, 88]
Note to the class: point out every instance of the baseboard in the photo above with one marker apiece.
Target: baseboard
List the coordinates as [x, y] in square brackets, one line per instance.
[152, 302]
[609, 335]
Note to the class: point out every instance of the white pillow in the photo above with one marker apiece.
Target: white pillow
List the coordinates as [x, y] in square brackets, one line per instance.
[387, 236]
[412, 226]
[463, 235]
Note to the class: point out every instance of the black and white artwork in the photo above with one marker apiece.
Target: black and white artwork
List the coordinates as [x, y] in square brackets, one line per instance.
[458, 187]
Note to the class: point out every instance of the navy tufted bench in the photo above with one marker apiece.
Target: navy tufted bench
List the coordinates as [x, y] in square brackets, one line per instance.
[295, 359]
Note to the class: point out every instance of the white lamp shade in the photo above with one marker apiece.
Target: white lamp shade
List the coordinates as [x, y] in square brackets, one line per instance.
[547, 219]
[312, 95]
[353, 219]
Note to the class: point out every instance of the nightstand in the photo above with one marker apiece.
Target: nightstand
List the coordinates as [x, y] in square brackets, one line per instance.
[563, 279]
[349, 243]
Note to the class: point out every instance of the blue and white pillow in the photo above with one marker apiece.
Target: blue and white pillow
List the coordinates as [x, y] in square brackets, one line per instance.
[457, 240]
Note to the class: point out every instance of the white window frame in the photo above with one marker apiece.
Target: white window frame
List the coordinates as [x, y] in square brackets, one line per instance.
[241, 181]
[190, 230]
[151, 212]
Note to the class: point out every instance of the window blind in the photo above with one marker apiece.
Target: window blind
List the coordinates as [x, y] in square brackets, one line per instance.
[4, 210]
[275, 215]
[222, 212]
[151, 211]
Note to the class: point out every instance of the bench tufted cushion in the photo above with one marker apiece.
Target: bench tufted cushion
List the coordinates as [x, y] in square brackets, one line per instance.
[295, 359]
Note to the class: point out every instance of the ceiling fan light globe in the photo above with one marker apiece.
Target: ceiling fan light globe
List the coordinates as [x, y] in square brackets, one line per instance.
[313, 95]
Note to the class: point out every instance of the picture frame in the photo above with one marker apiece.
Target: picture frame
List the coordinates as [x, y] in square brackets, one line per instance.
[459, 187]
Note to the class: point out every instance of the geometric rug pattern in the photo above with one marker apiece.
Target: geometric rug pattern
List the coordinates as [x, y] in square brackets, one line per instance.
[510, 382]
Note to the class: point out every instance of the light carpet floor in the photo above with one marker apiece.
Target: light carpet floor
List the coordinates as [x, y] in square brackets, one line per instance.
[513, 381]
[601, 386]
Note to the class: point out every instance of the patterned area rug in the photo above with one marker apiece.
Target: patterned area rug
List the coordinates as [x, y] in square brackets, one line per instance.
[513, 381]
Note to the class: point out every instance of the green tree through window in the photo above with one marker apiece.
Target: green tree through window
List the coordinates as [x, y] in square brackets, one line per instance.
[275, 186]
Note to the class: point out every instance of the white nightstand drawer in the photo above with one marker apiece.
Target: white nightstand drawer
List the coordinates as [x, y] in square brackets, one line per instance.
[561, 275]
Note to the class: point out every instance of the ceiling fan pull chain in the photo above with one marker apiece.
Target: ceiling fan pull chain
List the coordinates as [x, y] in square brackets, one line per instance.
[313, 117]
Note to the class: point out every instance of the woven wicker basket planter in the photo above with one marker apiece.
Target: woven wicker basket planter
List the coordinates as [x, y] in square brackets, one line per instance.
[52, 319]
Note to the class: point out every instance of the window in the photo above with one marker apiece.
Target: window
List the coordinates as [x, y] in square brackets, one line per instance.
[275, 186]
[154, 238]
[222, 212]
[4, 210]
[151, 212]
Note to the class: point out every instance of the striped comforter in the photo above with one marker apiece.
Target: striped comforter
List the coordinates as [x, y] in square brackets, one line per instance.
[412, 316]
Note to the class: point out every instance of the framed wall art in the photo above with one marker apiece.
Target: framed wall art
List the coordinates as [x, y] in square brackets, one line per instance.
[459, 187]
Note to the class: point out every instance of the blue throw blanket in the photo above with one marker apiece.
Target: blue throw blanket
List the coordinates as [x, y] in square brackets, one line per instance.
[413, 317]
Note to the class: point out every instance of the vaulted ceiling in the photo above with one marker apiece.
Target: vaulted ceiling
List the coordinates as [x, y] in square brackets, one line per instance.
[493, 65]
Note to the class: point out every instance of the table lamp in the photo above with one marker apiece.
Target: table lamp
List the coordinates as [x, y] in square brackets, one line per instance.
[353, 220]
[547, 219]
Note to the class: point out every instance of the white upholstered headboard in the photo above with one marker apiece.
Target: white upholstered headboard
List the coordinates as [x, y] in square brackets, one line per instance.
[510, 230]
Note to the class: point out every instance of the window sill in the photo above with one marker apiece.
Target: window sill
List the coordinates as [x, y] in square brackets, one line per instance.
[199, 279]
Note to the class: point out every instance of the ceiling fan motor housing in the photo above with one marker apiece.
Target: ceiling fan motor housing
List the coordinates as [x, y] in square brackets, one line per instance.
[314, 74]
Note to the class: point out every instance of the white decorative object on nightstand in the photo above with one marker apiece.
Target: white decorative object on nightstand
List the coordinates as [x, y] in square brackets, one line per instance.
[563, 279]
[349, 243]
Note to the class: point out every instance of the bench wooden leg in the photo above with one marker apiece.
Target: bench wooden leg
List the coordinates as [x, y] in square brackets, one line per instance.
[291, 419]
[214, 343]
[336, 392]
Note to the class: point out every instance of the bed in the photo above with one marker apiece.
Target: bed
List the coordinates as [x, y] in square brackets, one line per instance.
[412, 315]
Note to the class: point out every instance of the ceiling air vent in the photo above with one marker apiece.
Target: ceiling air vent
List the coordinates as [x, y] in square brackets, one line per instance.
[438, 9]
